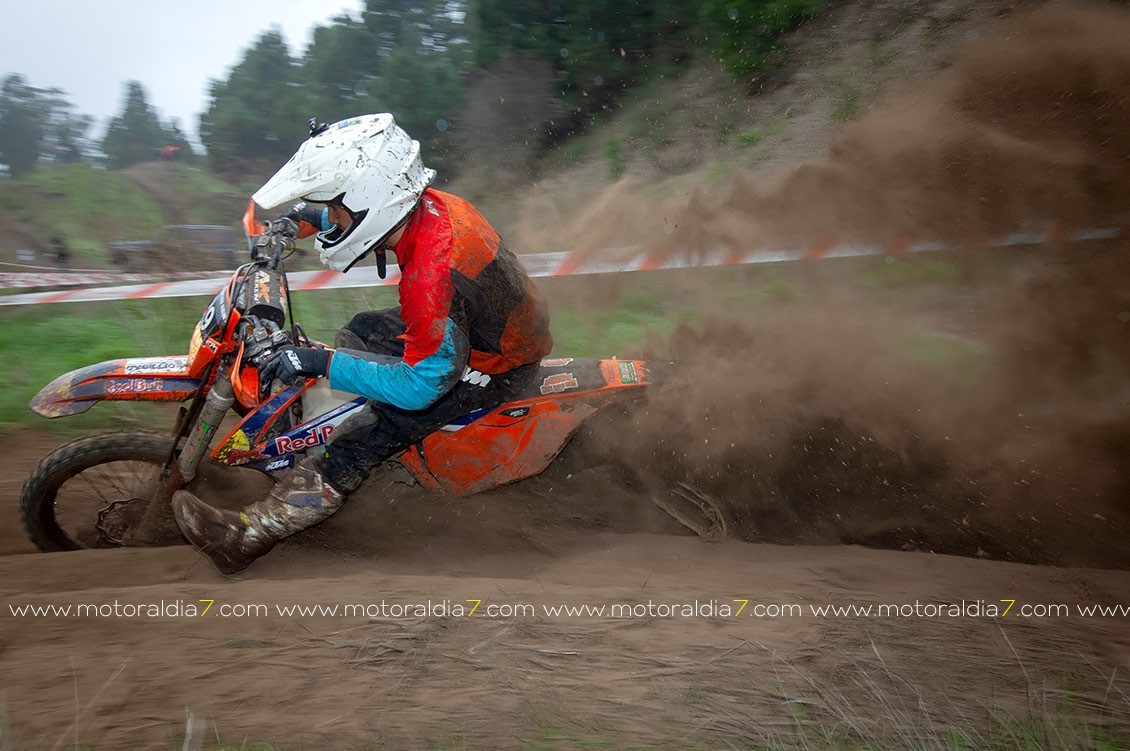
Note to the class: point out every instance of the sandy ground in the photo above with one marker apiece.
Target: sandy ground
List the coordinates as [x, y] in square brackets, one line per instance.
[393, 679]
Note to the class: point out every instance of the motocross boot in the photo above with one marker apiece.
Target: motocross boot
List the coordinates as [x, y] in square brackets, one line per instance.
[233, 539]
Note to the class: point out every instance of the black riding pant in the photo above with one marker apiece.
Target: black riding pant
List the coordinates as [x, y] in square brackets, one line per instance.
[382, 430]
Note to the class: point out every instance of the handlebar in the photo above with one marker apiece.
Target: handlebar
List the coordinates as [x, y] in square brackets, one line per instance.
[269, 250]
[277, 239]
[262, 339]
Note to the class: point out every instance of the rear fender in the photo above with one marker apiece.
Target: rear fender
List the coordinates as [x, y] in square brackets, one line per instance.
[136, 379]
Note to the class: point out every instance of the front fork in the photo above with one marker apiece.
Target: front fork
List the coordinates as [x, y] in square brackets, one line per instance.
[159, 513]
[219, 400]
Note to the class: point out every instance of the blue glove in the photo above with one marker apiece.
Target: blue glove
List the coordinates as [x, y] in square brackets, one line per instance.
[292, 364]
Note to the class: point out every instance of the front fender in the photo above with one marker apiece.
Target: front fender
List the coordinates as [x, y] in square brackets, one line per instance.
[150, 379]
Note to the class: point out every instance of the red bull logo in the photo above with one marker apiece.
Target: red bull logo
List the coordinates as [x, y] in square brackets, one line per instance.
[312, 437]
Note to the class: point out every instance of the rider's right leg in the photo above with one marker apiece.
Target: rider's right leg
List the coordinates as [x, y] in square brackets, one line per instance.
[233, 539]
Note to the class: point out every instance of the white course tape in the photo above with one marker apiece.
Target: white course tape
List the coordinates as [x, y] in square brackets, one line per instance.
[565, 264]
[26, 266]
[25, 280]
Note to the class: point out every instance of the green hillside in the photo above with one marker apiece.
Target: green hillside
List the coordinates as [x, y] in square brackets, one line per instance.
[90, 207]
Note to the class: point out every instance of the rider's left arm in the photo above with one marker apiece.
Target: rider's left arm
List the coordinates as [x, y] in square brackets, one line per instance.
[411, 386]
[436, 347]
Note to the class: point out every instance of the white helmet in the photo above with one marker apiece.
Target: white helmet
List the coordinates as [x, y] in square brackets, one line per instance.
[367, 165]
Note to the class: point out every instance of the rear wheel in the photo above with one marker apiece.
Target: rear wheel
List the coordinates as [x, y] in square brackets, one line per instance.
[89, 491]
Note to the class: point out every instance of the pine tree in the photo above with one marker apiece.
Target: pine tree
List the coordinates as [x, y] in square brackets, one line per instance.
[259, 115]
[136, 135]
[22, 131]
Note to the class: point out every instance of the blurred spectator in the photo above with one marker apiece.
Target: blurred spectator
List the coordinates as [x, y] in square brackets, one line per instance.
[168, 153]
[67, 154]
[62, 255]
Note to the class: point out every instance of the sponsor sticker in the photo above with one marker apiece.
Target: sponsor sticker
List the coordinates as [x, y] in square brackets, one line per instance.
[263, 287]
[133, 385]
[207, 319]
[139, 365]
[555, 384]
[288, 445]
[476, 378]
[278, 464]
[516, 412]
[628, 372]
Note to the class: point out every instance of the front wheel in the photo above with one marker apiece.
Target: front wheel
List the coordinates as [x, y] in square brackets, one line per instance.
[87, 492]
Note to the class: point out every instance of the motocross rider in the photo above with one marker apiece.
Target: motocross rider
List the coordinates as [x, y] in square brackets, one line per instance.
[469, 332]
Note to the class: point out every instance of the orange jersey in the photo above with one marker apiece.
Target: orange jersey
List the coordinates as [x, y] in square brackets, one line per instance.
[455, 265]
[466, 303]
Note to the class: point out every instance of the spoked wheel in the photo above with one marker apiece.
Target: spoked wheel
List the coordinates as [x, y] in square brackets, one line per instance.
[87, 493]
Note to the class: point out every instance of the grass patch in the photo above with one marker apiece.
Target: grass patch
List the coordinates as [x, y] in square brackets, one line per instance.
[771, 127]
[718, 173]
[614, 153]
[942, 352]
[567, 154]
[42, 343]
[90, 207]
[193, 181]
[893, 271]
[854, 87]
[610, 332]
[748, 34]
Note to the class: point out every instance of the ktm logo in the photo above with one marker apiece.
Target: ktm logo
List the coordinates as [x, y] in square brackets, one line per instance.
[555, 384]
[475, 377]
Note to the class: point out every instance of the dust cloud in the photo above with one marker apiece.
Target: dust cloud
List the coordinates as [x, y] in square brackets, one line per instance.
[807, 423]
[1030, 126]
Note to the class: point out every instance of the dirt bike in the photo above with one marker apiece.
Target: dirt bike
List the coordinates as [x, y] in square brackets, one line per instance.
[113, 488]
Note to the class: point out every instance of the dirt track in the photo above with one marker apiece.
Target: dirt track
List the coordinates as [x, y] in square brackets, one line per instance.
[508, 682]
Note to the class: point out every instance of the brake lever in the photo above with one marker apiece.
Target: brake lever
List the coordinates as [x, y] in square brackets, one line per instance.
[300, 337]
[283, 226]
[277, 238]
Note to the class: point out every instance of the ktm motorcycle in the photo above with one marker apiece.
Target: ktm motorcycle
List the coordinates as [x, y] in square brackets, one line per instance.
[113, 488]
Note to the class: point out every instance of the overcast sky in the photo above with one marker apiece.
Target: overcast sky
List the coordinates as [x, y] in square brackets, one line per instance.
[90, 48]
